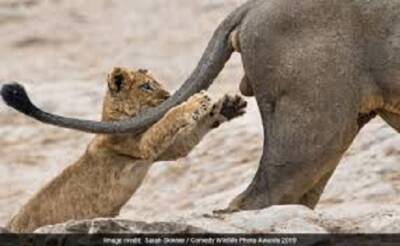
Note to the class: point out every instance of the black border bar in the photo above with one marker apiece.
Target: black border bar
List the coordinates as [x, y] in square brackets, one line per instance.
[198, 239]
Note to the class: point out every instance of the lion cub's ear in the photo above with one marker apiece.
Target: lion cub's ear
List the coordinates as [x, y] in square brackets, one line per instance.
[117, 79]
[143, 71]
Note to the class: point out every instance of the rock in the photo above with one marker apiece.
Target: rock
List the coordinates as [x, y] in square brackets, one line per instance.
[105, 225]
[3, 230]
[362, 218]
[276, 219]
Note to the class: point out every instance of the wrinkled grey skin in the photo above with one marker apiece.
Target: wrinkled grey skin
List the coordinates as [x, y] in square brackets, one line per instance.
[319, 69]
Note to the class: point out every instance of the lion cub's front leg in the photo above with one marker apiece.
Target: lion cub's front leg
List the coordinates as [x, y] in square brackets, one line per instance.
[225, 109]
[181, 118]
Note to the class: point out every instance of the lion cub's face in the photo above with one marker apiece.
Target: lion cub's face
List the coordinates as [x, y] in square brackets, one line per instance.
[130, 92]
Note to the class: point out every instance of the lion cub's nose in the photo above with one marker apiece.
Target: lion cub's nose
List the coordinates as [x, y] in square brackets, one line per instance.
[165, 95]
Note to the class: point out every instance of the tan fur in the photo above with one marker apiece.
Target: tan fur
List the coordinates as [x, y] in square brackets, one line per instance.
[113, 166]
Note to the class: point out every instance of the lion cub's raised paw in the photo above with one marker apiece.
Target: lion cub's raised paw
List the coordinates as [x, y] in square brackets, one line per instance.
[228, 108]
[233, 106]
[198, 106]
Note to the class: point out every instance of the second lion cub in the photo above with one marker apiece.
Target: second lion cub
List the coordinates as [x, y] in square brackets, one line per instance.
[113, 166]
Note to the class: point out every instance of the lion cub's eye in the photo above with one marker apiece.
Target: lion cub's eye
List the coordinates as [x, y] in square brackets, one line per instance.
[146, 87]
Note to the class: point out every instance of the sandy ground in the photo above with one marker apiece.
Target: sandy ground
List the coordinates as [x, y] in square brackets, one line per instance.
[61, 50]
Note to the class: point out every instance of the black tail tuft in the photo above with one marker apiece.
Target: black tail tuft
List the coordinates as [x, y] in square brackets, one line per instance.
[14, 95]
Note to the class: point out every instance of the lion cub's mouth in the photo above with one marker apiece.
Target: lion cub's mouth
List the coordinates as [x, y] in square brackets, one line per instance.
[163, 99]
[154, 104]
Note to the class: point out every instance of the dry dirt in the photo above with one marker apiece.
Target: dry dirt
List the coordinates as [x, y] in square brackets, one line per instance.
[61, 50]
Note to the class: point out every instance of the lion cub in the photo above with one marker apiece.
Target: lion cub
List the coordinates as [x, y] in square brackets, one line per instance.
[113, 166]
